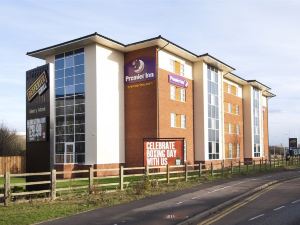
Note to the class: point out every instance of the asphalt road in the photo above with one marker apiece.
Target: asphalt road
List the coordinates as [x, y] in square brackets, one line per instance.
[171, 208]
[277, 206]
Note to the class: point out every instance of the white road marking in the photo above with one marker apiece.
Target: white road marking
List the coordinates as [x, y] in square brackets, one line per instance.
[196, 197]
[253, 218]
[294, 202]
[279, 208]
[254, 179]
[219, 189]
[178, 203]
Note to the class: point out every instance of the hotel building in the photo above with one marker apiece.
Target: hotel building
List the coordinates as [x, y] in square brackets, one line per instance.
[99, 102]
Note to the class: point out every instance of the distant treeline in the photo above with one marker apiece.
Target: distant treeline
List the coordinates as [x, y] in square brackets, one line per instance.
[10, 143]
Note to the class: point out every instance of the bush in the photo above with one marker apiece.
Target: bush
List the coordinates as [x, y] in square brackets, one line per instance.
[10, 142]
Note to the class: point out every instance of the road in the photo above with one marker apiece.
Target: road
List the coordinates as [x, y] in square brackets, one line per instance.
[172, 208]
[278, 205]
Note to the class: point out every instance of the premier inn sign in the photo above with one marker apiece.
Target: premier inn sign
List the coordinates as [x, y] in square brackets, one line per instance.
[37, 87]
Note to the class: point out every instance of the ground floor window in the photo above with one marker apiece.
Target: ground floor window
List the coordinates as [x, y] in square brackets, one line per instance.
[257, 150]
[213, 150]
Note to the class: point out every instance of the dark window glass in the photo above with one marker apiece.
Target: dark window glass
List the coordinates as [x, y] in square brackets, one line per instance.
[69, 90]
[59, 64]
[69, 110]
[79, 99]
[80, 50]
[60, 102]
[79, 147]
[70, 129]
[59, 74]
[210, 147]
[60, 130]
[69, 138]
[70, 53]
[79, 79]
[69, 72]
[59, 83]
[60, 120]
[60, 148]
[79, 128]
[60, 56]
[60, 138]
[70, 100]
[69, 119]
[79, 89]
[69, 81]
[59, 92]
[79, 158]
[79, 59]
[79, 118]
[79, 137]
[79, 108]
[60, 111]
[217, 147]
[79, 69]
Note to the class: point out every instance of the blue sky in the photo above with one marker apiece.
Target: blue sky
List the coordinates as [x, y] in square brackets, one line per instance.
[257, 37]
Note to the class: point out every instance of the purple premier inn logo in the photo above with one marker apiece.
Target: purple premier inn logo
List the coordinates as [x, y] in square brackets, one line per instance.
[178, 81]
[139, 70]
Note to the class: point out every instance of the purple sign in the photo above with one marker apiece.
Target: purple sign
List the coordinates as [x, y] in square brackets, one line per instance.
[178, 81]
[139, 70]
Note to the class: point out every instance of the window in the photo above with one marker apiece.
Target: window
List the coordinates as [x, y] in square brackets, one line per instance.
[238, 150]
[213, 86]
[229, 108]
[256, 126]
[177, 93]
[229, 88]
[172, 92]
[70, 107]
[230, 151]
[237, 110]
[177, 67]
[184, 150]
[238, 129]
[178, 120]
[229, 128]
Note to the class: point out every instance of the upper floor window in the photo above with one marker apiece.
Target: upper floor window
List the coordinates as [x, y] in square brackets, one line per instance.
[177, 67]
[237, 109]
[178, 120]
[230, 151]
[177, 93]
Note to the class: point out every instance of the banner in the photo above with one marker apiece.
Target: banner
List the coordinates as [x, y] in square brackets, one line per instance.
[160, 152]
[178, 81]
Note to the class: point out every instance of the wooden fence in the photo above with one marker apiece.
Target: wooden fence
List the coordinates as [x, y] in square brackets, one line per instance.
[126, 178]
[12, 164]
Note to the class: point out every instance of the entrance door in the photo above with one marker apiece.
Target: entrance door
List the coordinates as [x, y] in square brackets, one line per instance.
[69, 152]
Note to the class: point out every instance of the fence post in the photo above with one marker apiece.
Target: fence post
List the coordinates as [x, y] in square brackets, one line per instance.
[121, 174]
[91, 179]
[239, 166]
[147, 170]
[253, 165]
[200, 169]
[211, 169]
[168, 174]
[270, 163]
[231, 167]
[222, 166]
[7, 188]
[259, 165]
[186, 171]
[266, 162]
[53, 184]
[247, 166]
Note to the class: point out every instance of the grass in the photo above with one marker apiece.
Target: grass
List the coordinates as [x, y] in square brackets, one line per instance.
[72, 202]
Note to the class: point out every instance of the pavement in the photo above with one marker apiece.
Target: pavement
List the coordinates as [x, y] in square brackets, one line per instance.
[175, 207]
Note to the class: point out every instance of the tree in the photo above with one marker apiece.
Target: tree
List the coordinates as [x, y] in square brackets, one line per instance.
[10, 143]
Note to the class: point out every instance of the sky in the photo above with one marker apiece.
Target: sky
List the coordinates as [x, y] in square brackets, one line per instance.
[259, 38]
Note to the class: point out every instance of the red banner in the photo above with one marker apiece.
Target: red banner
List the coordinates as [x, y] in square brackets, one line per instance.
[160, 152]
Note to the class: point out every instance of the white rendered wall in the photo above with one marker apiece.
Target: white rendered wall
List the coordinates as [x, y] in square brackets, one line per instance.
[164, 62]
[110, 106]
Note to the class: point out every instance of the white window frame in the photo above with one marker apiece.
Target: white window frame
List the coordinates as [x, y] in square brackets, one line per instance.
[237, 129]
[172, 92]
[229, 108]
[229, 128]
[238, 150]
[182, 94]
[173, 120]
[69, 154]
[237, 109]
[182, 121]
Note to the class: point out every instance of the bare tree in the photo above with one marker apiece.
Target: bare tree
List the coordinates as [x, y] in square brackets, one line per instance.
[10, 143]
